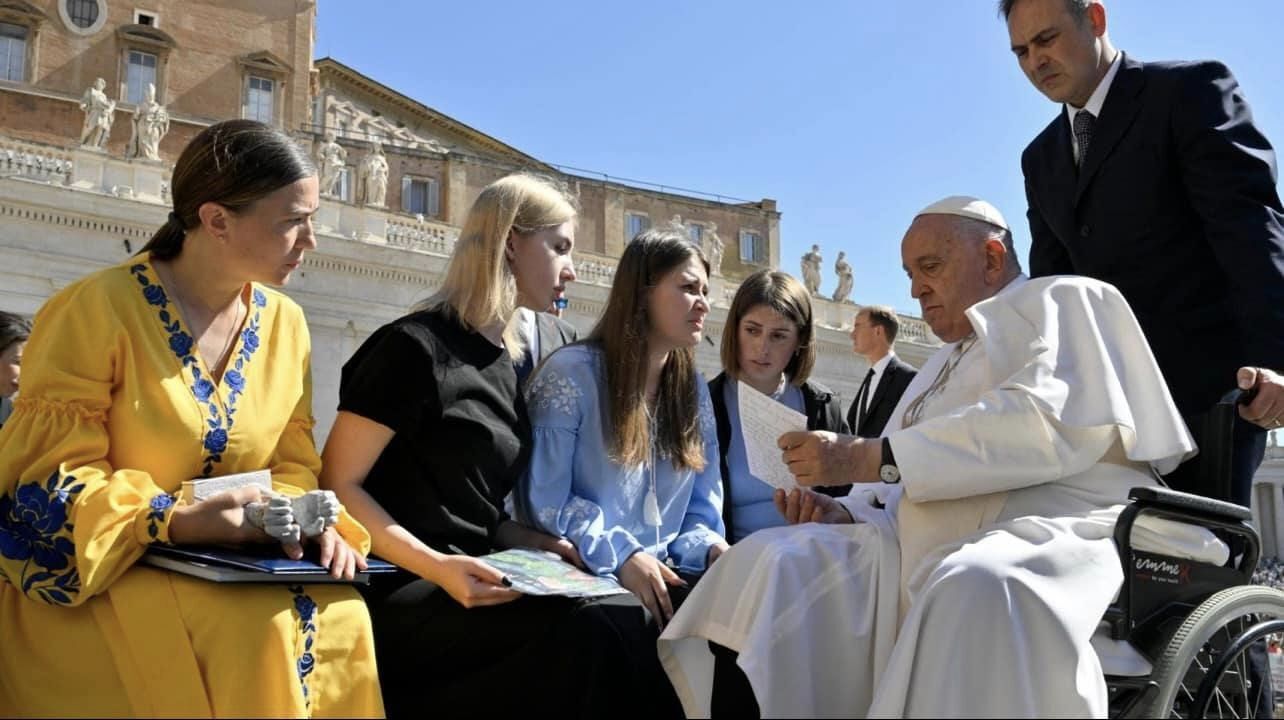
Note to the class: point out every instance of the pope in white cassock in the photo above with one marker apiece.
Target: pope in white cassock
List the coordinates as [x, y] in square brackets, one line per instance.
[970, 565]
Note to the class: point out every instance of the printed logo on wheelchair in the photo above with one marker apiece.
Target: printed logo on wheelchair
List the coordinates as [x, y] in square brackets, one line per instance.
[1162, 569]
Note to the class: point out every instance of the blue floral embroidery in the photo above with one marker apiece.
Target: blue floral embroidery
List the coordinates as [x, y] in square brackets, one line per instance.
[249, 340]
[235, 376]
[216, 440]
[155, 295]
[181, 343]
[306, 607]
[156, 514]
[203, 389]
[34, 530]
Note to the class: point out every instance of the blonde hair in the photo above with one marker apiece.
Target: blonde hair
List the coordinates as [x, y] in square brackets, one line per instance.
[479, 288]
[784, 294]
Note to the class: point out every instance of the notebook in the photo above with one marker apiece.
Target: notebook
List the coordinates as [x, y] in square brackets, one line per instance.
[251, 564]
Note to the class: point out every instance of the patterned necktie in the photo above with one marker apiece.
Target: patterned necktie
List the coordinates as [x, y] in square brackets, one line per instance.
[1083, 126]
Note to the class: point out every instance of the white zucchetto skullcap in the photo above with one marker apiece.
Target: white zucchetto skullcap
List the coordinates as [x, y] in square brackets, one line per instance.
[968, 207]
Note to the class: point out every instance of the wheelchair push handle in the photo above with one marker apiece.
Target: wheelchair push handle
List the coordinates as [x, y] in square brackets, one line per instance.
[1239, 397]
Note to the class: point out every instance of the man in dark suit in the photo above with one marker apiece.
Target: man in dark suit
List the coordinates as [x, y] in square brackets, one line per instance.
[1154, 179]
[540, 333]
[873, 332]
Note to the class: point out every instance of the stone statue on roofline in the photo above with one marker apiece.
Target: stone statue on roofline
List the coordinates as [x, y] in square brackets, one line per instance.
[150, 124]
[811, 270]
[373, 181]
[843, 270]
[331, 157]
[99, 115]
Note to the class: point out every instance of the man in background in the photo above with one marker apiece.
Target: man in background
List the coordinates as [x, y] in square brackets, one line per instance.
[873, 334]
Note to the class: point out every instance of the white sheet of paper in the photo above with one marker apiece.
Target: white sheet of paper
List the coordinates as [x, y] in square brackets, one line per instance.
[762, 422]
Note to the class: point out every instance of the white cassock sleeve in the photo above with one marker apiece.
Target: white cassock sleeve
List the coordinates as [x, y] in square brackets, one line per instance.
[1071, 373]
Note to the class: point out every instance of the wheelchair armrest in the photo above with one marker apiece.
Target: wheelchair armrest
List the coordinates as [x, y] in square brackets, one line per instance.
[1232, 522]
[1186, 502]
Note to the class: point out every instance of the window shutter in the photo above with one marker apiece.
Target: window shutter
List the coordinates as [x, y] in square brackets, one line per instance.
[405, 194]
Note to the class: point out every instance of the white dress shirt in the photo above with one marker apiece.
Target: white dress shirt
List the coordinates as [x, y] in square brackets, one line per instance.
[874, 379]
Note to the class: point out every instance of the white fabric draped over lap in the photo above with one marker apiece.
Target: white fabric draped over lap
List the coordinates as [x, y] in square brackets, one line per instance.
[769, 595]
[997, 543]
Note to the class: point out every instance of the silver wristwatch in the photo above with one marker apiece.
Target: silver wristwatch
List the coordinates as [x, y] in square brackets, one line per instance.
[887, 471]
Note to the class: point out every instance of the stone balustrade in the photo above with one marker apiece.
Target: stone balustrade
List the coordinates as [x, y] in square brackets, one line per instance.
[35, 161]
[594, 270]
[421, 234]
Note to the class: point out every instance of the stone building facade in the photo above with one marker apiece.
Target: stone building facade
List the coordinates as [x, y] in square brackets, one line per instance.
[208, 61]
[67, 210]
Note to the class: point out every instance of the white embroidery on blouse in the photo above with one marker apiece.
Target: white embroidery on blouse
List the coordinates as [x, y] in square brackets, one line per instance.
[547, 517]
[708, 423]
[552, 390]
[579, 512]
[632, 486]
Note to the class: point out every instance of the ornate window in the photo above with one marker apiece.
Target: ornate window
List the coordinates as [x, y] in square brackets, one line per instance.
[260, 99]
[695, 231]
[420, 196]
[20, 26]
[83, 17]
[13, 52]
[140, 71]
[635, 224]
[347, 182]
[262, 87]
[83, 13]
[145, 52]
[752, 248]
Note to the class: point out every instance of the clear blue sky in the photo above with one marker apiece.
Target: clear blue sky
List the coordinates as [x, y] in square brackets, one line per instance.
[851, 114]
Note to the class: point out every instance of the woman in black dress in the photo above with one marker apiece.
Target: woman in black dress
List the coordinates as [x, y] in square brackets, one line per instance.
[430, 438]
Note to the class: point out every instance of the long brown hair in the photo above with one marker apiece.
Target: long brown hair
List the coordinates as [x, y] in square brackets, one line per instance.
[623, 333]
[233, 163]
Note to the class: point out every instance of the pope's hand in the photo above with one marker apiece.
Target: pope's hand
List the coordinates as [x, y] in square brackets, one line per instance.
[801, 505]
[825, 459]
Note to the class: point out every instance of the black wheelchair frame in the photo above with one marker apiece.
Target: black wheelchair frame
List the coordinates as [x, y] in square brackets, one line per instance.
[1167, 603]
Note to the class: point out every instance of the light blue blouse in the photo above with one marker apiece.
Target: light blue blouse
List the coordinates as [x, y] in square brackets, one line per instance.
[752, 505]
[572, 489]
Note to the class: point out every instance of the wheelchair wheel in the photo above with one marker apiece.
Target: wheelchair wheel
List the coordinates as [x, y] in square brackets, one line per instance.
[1219, 650]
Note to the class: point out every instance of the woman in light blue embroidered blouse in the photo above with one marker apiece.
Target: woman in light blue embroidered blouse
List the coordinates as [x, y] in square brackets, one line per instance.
[625, 459]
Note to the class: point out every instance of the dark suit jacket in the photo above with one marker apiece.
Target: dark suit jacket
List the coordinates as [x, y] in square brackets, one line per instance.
[882, 400]
[554, 332]
[1175, 205]
[824, 411]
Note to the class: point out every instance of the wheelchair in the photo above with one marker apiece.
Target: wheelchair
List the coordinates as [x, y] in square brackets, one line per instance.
[1193, 632]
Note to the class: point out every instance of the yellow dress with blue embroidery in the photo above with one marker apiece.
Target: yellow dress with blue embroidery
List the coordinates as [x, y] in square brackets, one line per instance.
[116, 412]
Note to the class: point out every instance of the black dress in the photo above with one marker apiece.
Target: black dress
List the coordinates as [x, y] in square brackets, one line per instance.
[462, 439]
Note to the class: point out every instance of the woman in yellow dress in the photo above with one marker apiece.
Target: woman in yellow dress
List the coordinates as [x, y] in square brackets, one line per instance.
[178, 363]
